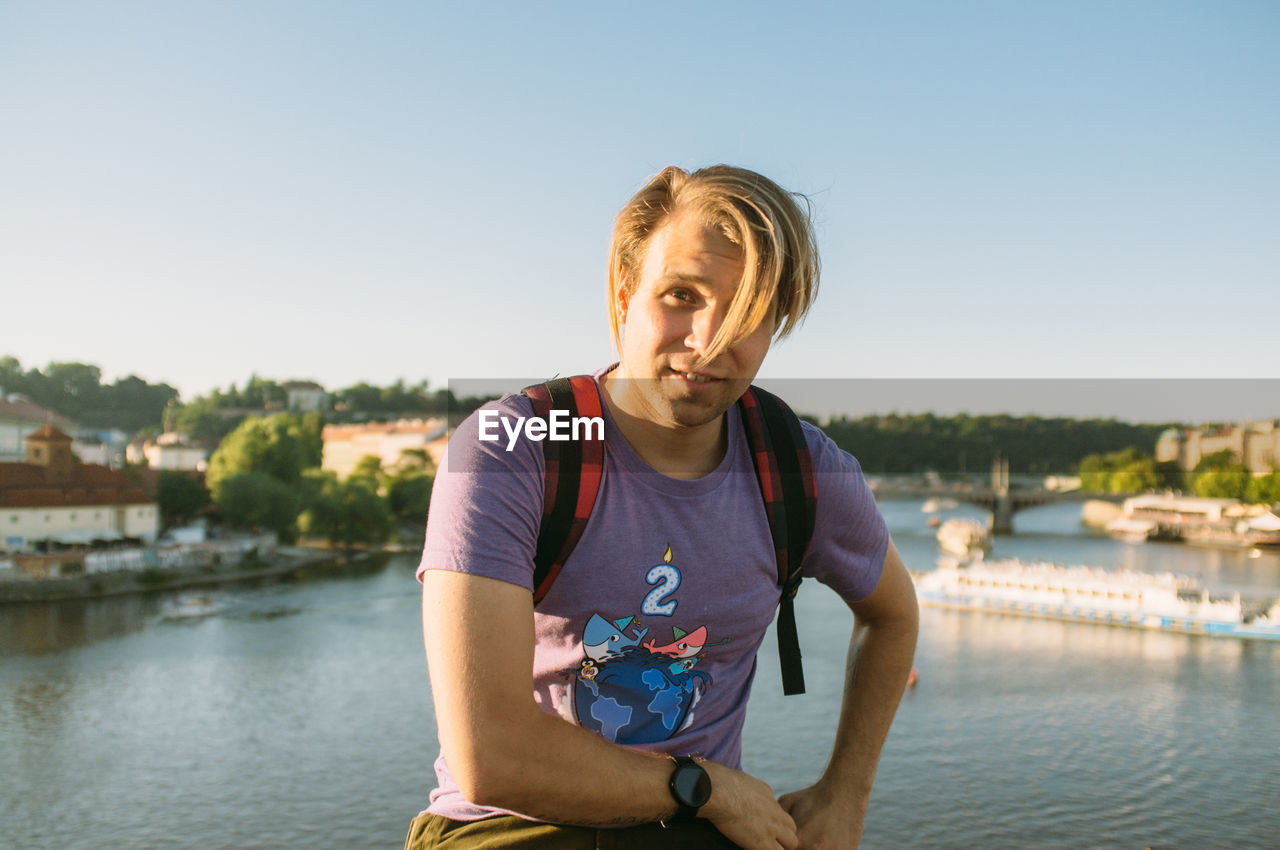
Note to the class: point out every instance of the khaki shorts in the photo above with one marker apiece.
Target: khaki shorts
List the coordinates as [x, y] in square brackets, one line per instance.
[432, 831]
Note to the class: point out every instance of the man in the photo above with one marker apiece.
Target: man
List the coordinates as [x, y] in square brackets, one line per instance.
[559, 726]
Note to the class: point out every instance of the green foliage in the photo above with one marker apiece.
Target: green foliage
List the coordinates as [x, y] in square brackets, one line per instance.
[203, 419]
[1264, 489]
[76, 391]
[274, 445]
[368, 468]
[181, 498]
[1125, 471]
[914, 443]
[216, 415]
[409, 497]
[256, 501]
[345, 512]
[1217, 462]
[1219, 476]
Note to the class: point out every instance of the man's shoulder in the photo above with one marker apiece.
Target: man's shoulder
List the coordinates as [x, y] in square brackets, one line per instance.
[827, 456]
[491, 438]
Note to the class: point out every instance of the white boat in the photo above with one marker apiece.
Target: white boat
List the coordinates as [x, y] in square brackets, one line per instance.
[1161, 601]
[938, 503]
[964, 537]
[1132, 530]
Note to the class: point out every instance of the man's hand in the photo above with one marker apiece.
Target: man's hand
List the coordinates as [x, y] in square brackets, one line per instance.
[744, 810]
[826, 821]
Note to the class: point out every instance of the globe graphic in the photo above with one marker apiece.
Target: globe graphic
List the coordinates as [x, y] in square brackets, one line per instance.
[637, 697]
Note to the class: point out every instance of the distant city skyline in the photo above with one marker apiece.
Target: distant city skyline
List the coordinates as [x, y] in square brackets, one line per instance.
[1036, 192]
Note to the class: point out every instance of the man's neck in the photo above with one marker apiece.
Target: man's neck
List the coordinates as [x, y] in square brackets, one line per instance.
[674, 450]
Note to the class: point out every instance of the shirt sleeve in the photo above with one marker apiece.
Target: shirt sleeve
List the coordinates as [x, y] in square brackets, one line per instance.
[850, 538]
[486, 502]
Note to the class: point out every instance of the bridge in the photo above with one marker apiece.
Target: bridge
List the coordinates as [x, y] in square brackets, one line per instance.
[1001, 498]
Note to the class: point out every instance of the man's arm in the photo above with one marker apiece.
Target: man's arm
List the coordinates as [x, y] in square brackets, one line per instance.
[506, 752]
[829, 814]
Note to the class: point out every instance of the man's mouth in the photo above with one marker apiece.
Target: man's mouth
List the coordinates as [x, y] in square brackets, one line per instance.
[695, 377]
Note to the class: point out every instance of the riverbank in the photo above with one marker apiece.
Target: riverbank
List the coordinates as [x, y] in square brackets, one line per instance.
[285, 562]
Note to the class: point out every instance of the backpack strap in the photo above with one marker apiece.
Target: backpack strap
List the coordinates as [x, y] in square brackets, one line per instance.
[784, 471]
[571, 480]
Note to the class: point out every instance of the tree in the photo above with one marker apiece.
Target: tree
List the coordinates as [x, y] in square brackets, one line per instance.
[1136, 476]
[274, 445]
[1093, 474]
[1219, 476]
[409, 497]
[1264, 489]
[345, 512]
[181, 498]
[1125, 471]
[76, 391]
[256, 501]
[369, 468]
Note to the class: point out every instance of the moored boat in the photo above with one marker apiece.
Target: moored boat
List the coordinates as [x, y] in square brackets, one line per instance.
[964, 537]
[1161, 601]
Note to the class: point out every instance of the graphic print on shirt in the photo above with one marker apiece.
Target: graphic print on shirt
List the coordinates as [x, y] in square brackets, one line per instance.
[635, 692]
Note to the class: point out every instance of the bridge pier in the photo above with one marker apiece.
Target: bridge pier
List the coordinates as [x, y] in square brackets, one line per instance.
[1002, 515]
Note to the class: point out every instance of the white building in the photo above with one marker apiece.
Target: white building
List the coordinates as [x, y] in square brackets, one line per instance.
[170, 451]
[305, 396]
[52, 498]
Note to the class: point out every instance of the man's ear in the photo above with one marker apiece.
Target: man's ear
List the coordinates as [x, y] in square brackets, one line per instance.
[621, 300]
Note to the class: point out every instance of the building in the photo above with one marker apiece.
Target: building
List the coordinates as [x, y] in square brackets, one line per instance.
[346, 445]
[1256, 445]
[51, 498]
[305, 396]
[20, 417]
[169, 451]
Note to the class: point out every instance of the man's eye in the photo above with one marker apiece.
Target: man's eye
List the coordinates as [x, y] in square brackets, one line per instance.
[681, 294]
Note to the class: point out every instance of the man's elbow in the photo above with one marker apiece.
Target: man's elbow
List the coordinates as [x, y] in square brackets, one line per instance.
[490, 770]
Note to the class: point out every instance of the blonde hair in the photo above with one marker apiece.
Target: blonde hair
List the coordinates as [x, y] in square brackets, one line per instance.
[772, 226]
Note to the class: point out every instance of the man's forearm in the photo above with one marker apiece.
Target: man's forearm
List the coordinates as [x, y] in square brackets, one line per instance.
[877, 667]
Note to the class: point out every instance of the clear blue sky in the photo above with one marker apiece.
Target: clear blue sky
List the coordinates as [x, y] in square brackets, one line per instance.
[366, 191]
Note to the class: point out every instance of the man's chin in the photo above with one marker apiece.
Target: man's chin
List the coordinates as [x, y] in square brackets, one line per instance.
[696, 412]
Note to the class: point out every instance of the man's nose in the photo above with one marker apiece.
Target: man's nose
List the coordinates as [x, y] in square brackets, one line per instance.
[703, 328]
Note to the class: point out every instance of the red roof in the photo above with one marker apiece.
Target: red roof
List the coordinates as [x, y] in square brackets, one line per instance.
[48, 432]
[25, 485]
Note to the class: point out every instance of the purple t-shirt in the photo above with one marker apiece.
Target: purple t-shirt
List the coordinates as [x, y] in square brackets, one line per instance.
[649, 634]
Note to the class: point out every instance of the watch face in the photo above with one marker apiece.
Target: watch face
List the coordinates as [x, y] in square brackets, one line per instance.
[691, 785]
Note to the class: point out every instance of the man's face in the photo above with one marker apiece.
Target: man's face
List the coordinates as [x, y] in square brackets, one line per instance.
[690, 274]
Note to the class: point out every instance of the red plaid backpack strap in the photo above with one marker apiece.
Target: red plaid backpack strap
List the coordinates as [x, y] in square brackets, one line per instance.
[784, 470]
[571, 480]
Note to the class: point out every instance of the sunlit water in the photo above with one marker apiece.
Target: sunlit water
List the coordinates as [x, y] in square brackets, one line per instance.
[290, 715]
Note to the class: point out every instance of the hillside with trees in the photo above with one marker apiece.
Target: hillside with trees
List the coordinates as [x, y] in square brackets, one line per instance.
[76, 391]
[964, 444]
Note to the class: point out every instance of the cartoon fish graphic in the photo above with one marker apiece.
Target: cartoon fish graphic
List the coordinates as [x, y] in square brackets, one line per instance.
[685, 645]
[602, 639]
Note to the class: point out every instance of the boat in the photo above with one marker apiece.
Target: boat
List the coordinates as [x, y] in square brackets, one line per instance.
[1163, 601]
[964, 537]
[1208, 522]
[1132, 530]
[938, 503]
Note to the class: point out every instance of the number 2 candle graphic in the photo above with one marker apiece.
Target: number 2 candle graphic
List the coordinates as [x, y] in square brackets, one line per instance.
[667, 579]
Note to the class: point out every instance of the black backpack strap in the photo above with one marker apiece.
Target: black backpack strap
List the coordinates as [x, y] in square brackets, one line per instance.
[572, 478]
[784, 470]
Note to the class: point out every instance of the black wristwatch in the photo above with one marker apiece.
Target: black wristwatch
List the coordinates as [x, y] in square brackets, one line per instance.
[690, 786]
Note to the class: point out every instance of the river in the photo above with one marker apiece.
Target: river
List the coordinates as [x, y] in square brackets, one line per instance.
[298, 714]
